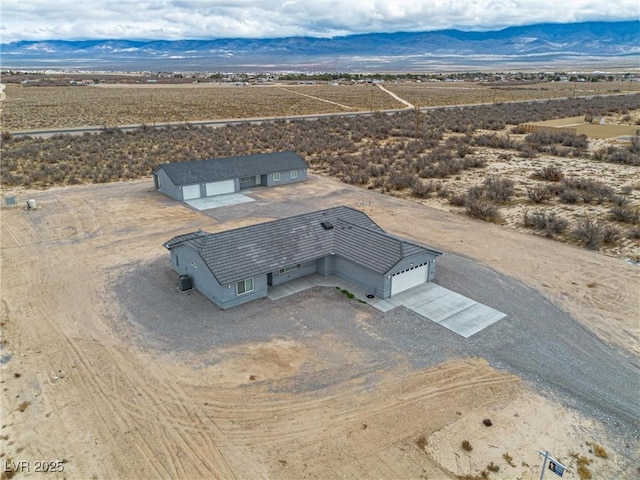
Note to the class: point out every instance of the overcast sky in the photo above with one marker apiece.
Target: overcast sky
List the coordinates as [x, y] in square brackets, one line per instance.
[201, 19]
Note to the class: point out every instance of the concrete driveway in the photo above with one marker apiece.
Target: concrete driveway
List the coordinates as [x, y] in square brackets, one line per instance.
[449, 309]
[216, 201]
[456, 312]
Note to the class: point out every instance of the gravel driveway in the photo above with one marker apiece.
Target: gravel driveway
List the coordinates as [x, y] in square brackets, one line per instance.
[536, 341]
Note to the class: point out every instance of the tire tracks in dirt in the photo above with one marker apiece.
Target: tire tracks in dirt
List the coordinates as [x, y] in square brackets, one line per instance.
[151, 417]
[419, 388]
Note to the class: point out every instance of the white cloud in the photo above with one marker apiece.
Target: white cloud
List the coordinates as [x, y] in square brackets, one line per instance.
[180, 19]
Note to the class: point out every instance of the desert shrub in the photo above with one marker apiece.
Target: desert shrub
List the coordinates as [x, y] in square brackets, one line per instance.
[547, 222]
[475, 193]
[473, 162]
[481, 209]
[466, 445]
[508, 458]
[610, 234]
[378, 182]
[359, 177]
[400, 179]
[593, 234]
[460, 144]
[538, 193]
[550, 173]
[494, 141]
[589, 233]
[569, 195]
[622, 156]
[620, 200]
[625, 214]
[423, 189]
[599, 155]
[546, 137]
[458, 199]
[559, 151]
[588, 189]
[599, 451]
[492, 467]
[442, 192]
[527, 150]
[583, 470]
[633, 233]
[444, 168]
[498, 189]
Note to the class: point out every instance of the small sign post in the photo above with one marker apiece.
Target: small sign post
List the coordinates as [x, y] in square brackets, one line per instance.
[554, 465]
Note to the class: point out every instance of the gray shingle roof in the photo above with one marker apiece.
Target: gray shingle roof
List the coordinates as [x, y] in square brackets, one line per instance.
[241, 253]
[213, 169]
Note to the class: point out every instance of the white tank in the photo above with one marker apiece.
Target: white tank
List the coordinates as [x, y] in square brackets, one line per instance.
[31, 204]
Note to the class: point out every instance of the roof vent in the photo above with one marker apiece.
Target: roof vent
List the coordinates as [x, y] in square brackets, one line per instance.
[326, 225]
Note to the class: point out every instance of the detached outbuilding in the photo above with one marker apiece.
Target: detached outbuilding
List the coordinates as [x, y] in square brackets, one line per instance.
[219, 176]
[236, 266]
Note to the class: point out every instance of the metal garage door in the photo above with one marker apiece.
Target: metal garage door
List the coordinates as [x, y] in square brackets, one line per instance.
[190, 191]
[409, 278]
[219, 188]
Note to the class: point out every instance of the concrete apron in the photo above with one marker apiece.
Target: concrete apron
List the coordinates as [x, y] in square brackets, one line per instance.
[206, 203]
[453, 311]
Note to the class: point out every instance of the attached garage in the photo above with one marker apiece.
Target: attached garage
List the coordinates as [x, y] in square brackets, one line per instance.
[220, 188]
[242, 263]
[412, 277]
[189, 192]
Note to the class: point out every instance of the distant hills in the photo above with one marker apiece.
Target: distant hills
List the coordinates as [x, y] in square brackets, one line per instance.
[544, 46]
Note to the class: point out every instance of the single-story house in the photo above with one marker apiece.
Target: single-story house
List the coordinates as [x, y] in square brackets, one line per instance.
[239, 265]
[217, 176]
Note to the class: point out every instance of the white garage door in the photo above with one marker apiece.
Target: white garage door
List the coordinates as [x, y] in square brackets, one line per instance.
[190, 191]
[220, 188]
[409, 278]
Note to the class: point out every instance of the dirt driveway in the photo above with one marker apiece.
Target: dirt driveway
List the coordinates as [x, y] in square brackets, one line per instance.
[82, 382]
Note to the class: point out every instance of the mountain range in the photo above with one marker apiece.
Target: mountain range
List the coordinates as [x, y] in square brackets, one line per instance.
[542, 46]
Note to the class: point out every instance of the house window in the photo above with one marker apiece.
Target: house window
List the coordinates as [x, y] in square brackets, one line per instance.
[245, 179]
[244, 286]
[290, 268]
[177, 261]
[276, 177]
[294, 173]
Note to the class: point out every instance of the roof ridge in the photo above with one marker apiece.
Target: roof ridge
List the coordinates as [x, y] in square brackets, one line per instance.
[294, 217]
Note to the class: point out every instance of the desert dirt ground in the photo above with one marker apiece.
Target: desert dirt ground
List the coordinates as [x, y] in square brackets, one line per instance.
[79, 385]
[110, 105]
